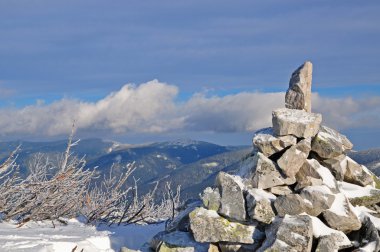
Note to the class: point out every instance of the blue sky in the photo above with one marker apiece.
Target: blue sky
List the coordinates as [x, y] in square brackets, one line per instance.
[83, 51]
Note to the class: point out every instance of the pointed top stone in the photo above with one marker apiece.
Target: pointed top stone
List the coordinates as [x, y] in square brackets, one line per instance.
[298, 95]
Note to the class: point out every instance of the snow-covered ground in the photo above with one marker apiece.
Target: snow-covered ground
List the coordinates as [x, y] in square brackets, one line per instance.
[44, 237]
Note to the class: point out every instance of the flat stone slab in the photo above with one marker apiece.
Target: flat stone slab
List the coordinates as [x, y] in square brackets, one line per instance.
[295, 122]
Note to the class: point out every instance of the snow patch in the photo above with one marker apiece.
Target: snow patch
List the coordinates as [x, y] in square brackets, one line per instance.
[210, 165]
[327, 178]
[44, 237]
[339, 205]
[354, 191]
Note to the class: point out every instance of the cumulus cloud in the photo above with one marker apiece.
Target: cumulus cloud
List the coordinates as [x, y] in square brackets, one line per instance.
[152, 107]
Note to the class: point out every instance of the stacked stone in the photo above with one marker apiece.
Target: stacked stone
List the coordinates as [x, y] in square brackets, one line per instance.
[288, 196]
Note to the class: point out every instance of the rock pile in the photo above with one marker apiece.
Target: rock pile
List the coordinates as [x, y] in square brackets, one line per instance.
[298, 191]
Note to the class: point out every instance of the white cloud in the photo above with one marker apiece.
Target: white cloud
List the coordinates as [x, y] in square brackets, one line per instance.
[152, 107]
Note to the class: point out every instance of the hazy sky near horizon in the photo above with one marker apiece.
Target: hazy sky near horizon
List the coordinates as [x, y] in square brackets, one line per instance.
[141, 71]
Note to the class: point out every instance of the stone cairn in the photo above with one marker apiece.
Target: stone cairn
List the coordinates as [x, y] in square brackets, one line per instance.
[298, 191]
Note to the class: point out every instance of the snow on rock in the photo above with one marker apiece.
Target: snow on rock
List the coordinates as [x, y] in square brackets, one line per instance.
[339, 206]
[320, 230]
[363, 212]
[354, 191]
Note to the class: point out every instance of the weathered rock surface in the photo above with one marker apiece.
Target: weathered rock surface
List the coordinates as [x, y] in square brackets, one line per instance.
[291, 161]
[341, 215]
[265, 142]
[265, 174]
[181, 221]
[291, 233]
[208, 226]
[326, 145]
[232, 203]
[308, 175]
[368, 235]
[238, 247]
[177, 242]
[329, 243]
[280, 190]
[295, 122]
[347, 145]
[328, 237]
[320, 197]
[291, 204]
[298, 95]
[259, 205]
[327, 178]
[357, 174]
[337, 165]
[211, 198]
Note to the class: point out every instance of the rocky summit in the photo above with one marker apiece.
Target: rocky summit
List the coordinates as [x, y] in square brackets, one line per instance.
[298, 191]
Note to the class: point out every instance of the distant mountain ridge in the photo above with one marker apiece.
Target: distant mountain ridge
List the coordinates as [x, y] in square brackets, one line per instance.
[189, 163]
[184, 161]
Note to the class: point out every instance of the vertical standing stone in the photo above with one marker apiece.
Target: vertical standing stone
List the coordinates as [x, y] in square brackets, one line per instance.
[298, 95]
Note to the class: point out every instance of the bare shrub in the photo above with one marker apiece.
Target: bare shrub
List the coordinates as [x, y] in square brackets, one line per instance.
[66, 188]
[50, 191]
[112, 202]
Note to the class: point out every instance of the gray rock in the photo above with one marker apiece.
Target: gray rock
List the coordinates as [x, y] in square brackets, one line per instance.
[325, 174]
[291, 161]
[265, 142]
[259, 205]
[337, 165]
[357, 174]
[347, 145]
[238, 247]
[341, 215]
[264, 173]
[298, 95]
[181, 221]
[291, 233]
[326, 145]
[208, 226]
[280, 190]
[327, 244]
[176, 242]
[295, 122]
[211, 198]
[291, 204]
[308, 175]
[320, 197]
[368, 235]
[328, 237]
[330, 243]
[232, 202]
